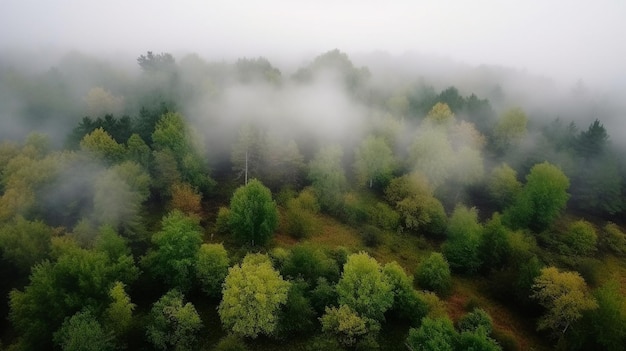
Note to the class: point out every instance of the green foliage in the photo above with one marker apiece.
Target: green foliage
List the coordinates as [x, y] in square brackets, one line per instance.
[253, 214]
[78, 279]
[310, 263]
[383, 216]
[407, 302]
[347, 325]
[297, 315]
[24, 243]
[101, 145]
[119, 314]
[324, 295]
[82, 332]
[542, 199]
[495, 249]
[327, 177]
[374, 162]
[222, 220]
[212, 268]
[462, 249]
[503, 185]
[613, 238]
[564, 295]
[174, 324]
[300, 222]
[581, 238]
[176, 246]
[252, 295]
[419, 210]
[608, 321]
[433, 335]
[475, 320]
[477, 340]
[364, 287]
[434, 274]
[139, 151]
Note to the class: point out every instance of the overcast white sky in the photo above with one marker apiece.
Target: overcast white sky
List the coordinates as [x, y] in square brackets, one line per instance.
[561, 38]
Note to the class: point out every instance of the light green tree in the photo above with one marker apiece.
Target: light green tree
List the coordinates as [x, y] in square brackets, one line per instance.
[464, 238]
[83, 332]
[100, 144]
[24, 242]
[174, 324]
[581, 238]
[347, 325]
[564, 295]
[253, 214]
[364, 287]
[374, 161]
[212, 268]
[252, 295]
[434, 274]
[542, 199]
[503, 185]
[119, 314]
[176, 246]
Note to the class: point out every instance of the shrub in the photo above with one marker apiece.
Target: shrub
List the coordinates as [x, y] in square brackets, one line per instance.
[371, 236]
[476, 319]
[581, 238]
[353, 210]
[300, 223]
[434, 274]
[383, 216]
[613, 238]
[506, 340]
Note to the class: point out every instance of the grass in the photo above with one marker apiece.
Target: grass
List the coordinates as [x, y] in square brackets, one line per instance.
[470, 291]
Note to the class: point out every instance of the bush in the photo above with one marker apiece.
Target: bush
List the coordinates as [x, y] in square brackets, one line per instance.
[310, 263]
[434, 274]
[581, 238]
[613, 238]
[383, 216]
[476, 319]
[371, 236]
[300, 223]
[590, 269]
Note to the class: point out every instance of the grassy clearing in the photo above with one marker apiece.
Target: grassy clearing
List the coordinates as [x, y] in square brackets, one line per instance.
[469, 291]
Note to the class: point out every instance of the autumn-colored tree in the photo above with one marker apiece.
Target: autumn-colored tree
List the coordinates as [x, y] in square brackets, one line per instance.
[186, 199]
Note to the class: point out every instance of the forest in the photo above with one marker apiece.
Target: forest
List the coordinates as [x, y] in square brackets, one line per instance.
[349, 203]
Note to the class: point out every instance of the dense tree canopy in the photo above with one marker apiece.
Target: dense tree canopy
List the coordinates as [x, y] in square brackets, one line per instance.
[252, 295]
[253, 215]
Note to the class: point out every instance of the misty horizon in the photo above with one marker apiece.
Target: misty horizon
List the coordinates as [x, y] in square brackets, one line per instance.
[566, 41]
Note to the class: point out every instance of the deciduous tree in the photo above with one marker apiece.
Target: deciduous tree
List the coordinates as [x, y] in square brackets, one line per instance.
[253, 214]
[252, 295]
[364, 287]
